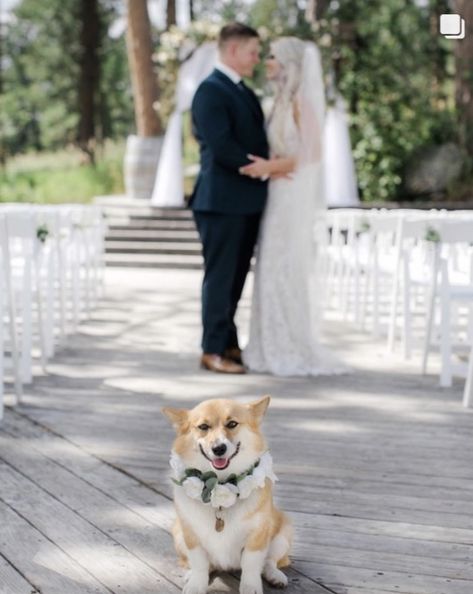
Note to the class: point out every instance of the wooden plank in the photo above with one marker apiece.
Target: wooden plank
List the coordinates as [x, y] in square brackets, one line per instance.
[40, 561]
[388, 529]
[12, 582]
[127, 490]
[290, 491]
[376, 511]
[419, 485]
[111, 564]
[143, 539]
[398, 561]
[366, 589]
[334, 576]
[308, 536]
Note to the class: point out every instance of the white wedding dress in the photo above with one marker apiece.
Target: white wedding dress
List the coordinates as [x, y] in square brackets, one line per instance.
[284, 337]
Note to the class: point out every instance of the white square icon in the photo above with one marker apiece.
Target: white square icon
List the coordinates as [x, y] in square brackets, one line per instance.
[452, 26]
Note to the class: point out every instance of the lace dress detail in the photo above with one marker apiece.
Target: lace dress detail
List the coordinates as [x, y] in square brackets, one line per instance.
[285, 312]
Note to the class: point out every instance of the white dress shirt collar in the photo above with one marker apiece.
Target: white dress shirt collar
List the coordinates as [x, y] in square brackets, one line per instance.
[232, 74]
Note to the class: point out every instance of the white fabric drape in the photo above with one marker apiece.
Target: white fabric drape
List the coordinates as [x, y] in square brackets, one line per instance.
[168, 189]
[339, 169]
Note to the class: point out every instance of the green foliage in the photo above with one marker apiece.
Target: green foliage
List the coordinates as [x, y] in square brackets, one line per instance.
[39, 105]
[278, 17]
[393, 73]
[53, 178]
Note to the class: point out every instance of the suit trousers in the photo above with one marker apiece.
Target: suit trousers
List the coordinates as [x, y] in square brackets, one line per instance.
[228, 242]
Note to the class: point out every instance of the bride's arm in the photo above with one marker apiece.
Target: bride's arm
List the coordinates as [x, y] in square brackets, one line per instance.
[276, 166]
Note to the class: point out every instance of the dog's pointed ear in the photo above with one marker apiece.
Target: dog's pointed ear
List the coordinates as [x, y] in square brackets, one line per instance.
[258, 408]
[177, 416]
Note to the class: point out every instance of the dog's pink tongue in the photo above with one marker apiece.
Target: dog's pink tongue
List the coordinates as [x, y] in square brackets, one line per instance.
[219, 463]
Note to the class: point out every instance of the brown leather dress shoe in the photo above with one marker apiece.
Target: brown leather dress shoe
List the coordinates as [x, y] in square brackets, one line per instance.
[220, 364]
[234, 354]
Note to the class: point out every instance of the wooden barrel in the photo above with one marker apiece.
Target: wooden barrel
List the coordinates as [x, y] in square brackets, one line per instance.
[141, 162]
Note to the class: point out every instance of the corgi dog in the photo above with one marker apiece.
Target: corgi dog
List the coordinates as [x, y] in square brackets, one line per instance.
[226, 518]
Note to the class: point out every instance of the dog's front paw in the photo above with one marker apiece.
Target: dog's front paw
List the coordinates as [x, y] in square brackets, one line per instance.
[255, 587]
[275, 577]
[195, 586]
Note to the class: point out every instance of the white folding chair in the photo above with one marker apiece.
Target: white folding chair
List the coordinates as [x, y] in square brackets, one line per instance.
[468, 391]
[25, 262]
[8, 331]
[2, 341]
[452, 285]
[345, 255]
[414, 262]
[381, 232]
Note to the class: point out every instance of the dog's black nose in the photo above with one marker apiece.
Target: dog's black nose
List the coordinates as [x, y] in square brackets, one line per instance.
[220, 449]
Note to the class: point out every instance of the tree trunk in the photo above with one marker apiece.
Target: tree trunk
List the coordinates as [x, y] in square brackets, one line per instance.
[88, 75]
[439, 70]
[170, 13]
[315, 9]
[464, 75]
[191, 10]
[144, 79]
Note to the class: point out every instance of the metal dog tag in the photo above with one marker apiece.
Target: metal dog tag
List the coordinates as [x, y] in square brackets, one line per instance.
[219, 524]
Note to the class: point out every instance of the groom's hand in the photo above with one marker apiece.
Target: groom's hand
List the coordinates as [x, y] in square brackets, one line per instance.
[259, 168]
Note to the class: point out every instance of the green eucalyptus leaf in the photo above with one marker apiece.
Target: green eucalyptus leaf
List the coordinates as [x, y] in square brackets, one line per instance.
[206, 493]
[211, 482]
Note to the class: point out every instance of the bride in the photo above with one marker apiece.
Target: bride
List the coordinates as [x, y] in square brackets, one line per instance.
[285, 314]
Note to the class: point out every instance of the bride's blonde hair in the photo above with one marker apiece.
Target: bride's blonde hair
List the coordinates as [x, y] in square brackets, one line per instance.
[289, 52]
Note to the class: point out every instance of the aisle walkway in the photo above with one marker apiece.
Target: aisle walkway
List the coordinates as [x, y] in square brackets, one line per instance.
[375, 467]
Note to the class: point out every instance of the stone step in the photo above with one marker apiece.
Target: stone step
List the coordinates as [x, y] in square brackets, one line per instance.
[162, 215]
[127, 234]
[121, 204]
[142, 224]
[188, 262]
[151, 247]
[141, 236]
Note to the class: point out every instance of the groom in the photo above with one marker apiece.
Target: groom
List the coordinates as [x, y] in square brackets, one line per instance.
[228, 124]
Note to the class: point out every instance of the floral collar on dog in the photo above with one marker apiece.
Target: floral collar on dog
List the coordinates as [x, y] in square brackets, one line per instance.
[206, 486]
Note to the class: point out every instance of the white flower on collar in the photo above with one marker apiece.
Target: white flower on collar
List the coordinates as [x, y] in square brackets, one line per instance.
[224, 495]
[193, 487]
[259, 477]
[266, 465]
[177, 465]
[263, 470]
[246, 486]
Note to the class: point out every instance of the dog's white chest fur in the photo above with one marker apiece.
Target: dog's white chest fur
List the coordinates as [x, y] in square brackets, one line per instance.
[223, 548]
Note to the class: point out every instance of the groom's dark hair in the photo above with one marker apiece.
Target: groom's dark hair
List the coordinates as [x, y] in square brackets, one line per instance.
[235, 31]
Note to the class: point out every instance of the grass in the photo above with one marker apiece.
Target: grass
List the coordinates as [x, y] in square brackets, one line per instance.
[54, 178]
[60, 177]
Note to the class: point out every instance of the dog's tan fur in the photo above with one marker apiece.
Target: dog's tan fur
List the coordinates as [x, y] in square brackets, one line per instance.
[263, 527]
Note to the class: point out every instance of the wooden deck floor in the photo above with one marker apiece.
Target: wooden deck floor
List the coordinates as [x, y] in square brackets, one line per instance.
[375, 467]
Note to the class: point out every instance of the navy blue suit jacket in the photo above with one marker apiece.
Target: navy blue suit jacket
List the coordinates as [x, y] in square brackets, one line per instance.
[229, 124]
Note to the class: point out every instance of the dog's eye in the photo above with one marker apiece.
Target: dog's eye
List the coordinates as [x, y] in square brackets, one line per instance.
[203, 427]
[232, 425]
